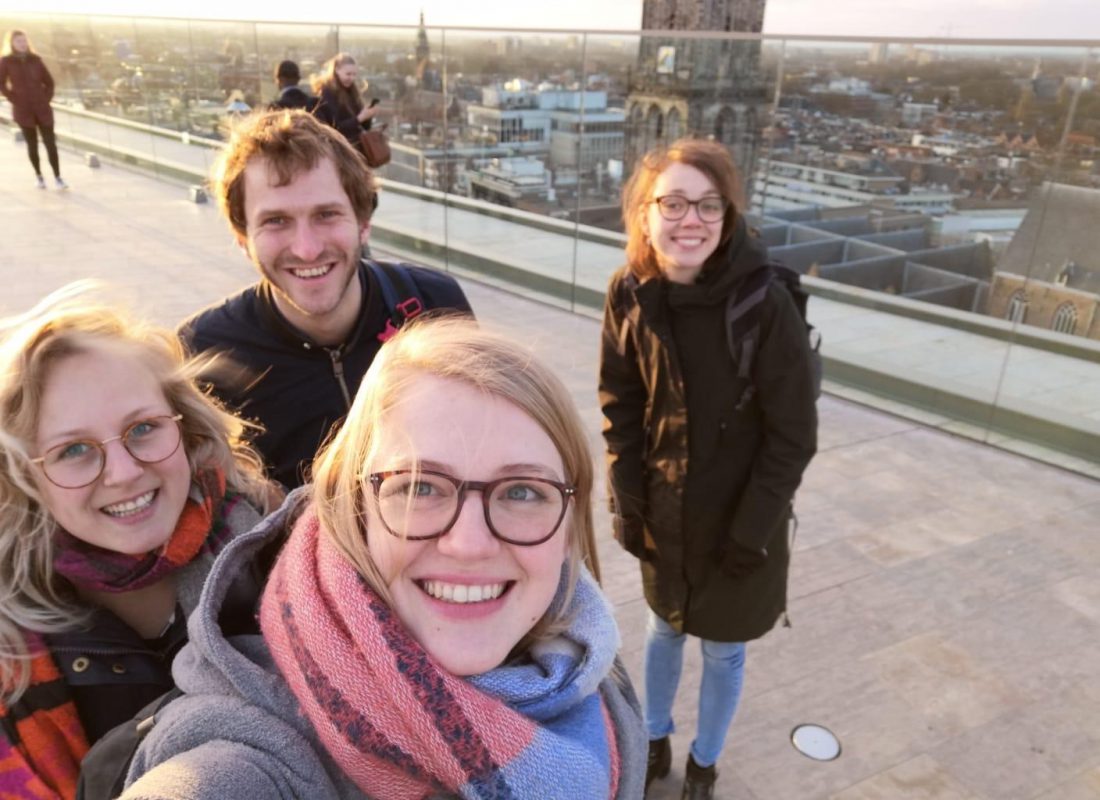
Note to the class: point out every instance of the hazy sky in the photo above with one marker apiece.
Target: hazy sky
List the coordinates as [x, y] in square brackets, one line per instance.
[1031, 19]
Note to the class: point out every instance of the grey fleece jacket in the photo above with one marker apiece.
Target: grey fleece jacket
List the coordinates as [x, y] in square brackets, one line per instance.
[238, 731]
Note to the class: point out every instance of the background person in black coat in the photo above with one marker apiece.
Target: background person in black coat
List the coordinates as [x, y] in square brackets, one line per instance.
[701, 483]
[291, 95]
[28, 86]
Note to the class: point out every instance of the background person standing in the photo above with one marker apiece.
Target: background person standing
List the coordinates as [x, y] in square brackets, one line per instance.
[28, 86]
[703, 462]
[291, 95]
[339, 103]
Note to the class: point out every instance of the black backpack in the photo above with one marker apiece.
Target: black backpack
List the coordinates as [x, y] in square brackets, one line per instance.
[743, 322]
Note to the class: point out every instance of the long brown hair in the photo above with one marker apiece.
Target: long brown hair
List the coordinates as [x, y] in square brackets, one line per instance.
[347, 96]
[707, 156]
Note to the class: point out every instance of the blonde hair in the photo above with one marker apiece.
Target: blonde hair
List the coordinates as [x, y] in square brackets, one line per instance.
[65, 323]
[707, 156]
[456, 349]
[347, 96]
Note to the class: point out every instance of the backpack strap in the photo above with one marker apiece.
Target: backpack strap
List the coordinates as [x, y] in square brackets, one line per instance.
[743, 325]
[743, 311]
[400, 295]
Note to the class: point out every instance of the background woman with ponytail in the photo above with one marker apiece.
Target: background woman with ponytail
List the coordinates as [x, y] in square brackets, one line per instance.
[119, 483]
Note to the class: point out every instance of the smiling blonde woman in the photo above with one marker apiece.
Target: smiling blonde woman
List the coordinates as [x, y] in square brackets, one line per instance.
[433, 626]
[120, 482]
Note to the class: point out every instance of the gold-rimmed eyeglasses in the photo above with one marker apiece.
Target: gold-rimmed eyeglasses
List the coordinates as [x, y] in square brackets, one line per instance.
[75, 464]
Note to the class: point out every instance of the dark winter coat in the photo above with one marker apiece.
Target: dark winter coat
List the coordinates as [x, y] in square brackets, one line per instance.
[293, 97]
[295, 388]
[28, 86]
[694, 481]
[112, 672]
[332, 112]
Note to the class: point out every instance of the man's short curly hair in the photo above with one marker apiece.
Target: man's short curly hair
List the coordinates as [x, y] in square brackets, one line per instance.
[292, 142]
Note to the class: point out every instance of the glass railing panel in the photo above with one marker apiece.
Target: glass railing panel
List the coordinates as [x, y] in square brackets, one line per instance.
[509, 198]
[880, 184]
[1046, 282]
[588, 139]
[403, 68]
[226, 79]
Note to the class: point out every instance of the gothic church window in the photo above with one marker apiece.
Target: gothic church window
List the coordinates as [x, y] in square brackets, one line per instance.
[1065, 319]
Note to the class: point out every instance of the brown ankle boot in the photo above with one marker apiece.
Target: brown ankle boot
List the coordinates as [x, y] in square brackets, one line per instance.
[698, 781]
[659, 761]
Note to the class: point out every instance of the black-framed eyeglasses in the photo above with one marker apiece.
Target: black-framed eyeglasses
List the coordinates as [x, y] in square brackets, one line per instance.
[675, 207]
[423, 504]
[75, 464]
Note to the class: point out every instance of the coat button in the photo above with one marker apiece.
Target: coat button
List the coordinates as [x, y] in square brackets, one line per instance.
[118, 669]
[80, 663]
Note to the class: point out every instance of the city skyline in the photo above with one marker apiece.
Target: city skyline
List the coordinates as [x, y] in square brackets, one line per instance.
[1022, 19]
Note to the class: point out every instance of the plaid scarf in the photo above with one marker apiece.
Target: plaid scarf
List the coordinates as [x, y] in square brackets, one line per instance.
[44, 742]
[200, 527]
[402, 728]
[41, 739]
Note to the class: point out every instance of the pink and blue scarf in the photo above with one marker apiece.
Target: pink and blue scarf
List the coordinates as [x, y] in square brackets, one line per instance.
[402, 728]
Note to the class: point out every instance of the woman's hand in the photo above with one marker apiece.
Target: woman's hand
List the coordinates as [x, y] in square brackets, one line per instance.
[367, 112]
[740, 561]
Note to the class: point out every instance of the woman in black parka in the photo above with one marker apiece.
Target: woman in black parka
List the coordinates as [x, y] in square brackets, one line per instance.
[28, 86]
[701, 484]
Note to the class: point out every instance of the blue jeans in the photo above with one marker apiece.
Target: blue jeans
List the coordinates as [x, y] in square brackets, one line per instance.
[719, 692]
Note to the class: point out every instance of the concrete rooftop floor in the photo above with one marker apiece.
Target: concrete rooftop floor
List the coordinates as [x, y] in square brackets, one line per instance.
[945, 596]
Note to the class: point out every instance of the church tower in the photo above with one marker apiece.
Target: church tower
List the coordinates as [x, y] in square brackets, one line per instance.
[698, 87]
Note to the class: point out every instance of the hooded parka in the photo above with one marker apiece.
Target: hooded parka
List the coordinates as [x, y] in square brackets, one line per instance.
[690, 473]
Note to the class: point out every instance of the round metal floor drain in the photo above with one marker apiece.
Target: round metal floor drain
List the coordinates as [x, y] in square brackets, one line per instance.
[816, 742]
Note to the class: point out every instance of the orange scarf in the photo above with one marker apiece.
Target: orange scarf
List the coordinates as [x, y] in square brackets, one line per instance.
[44, 743]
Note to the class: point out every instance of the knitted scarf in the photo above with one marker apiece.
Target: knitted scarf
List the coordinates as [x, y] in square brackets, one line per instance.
[41, 739]
[402, 728]
[200, 527]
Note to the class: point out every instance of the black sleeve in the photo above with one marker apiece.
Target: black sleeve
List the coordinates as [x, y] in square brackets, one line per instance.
[329, 111]
[47, 81]
[8, 94]
[623, 399]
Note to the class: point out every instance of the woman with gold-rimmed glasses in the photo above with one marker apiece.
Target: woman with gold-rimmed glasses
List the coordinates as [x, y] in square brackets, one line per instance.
[119, 483]
[433, 626]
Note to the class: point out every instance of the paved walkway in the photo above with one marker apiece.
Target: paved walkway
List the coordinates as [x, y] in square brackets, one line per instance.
[945, 596]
